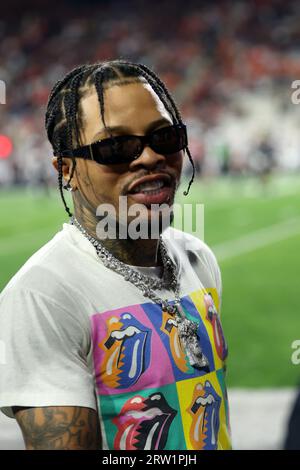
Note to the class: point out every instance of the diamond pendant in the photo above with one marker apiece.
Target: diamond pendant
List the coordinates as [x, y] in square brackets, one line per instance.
[187, 331]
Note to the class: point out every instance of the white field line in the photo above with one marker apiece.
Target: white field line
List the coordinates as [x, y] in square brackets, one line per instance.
[223, 251]
[250, 192]
[258, 239]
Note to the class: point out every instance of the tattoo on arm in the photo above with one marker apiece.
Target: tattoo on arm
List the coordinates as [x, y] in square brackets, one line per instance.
[59, 428]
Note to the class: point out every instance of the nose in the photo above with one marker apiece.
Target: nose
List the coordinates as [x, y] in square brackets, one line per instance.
[148, 159]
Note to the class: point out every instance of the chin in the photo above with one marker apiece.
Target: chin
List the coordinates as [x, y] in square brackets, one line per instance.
[149, 225]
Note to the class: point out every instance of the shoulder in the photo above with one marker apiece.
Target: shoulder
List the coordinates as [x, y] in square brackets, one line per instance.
[40, 270]
[48, 272]
[41, 300]
[190, 244]
[196, 252]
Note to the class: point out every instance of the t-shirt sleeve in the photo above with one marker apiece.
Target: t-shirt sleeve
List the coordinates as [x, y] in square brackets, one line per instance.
[210, 261]
[43, 354]
[216, 273]
[207, 262]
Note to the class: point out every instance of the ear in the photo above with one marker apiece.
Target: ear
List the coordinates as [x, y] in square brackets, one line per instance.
[66, 167]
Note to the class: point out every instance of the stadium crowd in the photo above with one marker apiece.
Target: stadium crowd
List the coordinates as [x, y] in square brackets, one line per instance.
[229, 64]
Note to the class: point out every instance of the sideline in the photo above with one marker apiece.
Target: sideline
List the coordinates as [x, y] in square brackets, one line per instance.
[223, 251]
[258, 239]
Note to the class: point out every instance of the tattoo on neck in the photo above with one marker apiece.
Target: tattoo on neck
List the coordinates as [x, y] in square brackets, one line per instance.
[141, 252]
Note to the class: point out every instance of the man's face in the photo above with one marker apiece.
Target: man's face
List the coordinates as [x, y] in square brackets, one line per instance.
[135, 110]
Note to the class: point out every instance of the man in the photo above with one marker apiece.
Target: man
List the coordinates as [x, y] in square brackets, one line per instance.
[116, 343]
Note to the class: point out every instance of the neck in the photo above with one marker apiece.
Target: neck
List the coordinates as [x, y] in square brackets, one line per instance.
[134, 252]
[140, 252]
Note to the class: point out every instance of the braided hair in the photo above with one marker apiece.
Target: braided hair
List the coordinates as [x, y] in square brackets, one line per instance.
[63, 116]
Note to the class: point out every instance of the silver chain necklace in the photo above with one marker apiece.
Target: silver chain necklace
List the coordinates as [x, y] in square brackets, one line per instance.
[187, 329]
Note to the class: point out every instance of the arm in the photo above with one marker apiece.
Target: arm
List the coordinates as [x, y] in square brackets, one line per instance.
[59, 428]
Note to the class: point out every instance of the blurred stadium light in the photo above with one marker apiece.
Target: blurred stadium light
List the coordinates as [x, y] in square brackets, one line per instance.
[5, 146]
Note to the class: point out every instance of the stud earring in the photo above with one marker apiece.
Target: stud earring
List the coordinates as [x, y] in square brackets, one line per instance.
[68, 187]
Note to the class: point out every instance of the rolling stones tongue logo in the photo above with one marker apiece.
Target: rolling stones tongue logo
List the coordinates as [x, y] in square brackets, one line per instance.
[144, 423]
[213, 317]
[170, 328]
[127, 351]
[204, 410]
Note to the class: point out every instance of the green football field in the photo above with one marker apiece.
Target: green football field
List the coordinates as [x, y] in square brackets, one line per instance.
[254, 229]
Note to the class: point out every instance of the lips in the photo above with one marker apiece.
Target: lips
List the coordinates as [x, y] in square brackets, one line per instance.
[152, 189]
[144, 423]
[164, 177]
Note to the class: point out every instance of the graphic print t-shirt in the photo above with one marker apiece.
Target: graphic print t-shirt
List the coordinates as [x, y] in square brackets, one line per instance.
[74, 333]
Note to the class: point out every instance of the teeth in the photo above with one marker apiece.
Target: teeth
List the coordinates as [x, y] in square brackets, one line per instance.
[149, 186]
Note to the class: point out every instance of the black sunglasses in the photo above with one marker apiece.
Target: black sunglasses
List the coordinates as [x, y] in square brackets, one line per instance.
[126, 148]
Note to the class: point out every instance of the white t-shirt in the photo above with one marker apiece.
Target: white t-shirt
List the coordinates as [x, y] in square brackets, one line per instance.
[75, 333]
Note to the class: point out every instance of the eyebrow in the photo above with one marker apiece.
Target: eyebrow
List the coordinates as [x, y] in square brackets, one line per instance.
[153, 125]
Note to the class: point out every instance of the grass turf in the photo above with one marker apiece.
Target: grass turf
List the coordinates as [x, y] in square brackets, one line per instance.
[260, 287]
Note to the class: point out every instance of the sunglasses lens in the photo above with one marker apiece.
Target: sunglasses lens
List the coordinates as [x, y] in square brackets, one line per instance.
[125, 149]
[168, 140]
[130, 148]
[120, 150]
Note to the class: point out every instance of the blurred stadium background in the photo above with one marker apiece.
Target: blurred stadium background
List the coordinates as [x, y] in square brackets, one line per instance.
[230, 66]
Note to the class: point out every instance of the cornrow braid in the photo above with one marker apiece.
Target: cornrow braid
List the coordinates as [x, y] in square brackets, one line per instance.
[156, 80]
[55, 113]
[99, 88]
[158, 91]
[62, 115]
[70, 100]
[60, 185]
[143, 71]
[61, 83]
